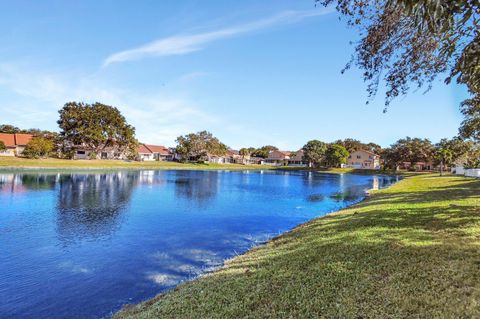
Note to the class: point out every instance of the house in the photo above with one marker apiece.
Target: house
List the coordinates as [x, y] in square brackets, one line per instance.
[15, 143]
[418, 166]
[108, 153]
[363, 159]
[296, 159]
[277, 158]
[284, 158]
[148, 152]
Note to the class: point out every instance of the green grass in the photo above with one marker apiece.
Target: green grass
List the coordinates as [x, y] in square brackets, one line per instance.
[52, 163]
[410, 251]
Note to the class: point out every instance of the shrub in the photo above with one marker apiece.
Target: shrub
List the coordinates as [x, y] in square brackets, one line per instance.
[38, 147]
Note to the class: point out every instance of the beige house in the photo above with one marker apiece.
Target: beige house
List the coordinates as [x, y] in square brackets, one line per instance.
[363, 159]
[284, 158]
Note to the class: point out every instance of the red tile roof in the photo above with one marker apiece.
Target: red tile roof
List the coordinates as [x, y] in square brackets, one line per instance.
[142, 149]
[12, 140]
[8, 139]
[23, 139]
[162, 150]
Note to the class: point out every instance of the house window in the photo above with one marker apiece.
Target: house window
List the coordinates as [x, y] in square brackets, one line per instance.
[81, 152]
[104, 155]
[359, 156]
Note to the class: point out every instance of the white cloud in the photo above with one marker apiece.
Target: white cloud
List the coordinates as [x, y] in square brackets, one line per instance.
[183, 44]
[158, 117]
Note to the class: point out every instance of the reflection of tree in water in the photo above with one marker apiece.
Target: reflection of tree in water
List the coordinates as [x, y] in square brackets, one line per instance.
[90, 205]
[39, 181]
[350, 193]
[200, 186]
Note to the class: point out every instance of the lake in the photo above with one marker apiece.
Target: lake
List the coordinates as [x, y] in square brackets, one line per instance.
[81, 245]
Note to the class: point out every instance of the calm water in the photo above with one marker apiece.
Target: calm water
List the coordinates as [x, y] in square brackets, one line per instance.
[82, 245]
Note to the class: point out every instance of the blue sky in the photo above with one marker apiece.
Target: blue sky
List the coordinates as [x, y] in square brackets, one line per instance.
[251, 72]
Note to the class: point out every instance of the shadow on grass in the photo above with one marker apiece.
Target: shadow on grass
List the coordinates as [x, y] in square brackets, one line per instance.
[410, 251]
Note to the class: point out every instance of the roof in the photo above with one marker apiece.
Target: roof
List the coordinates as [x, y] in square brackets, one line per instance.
[365, 151]
[8, 139]
[162, 150]
[23, 139]
[142, 149]
[153, 149]
[12, 140]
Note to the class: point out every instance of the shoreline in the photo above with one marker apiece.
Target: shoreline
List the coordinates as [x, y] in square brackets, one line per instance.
[128, 307]
[330, 266]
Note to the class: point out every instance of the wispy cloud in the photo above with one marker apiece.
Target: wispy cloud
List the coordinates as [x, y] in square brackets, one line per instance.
[183, 44]
[159, 117]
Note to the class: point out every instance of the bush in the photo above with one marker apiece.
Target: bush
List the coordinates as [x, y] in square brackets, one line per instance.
[92, 155]
[2, 146]
[38, 147]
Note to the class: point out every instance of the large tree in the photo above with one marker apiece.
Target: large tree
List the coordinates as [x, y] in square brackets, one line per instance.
[199, 146]
[97, 127]
[314, 152]
[409, 149]
[336, 155]
[353, 145]
[406, 43]
[264, 151]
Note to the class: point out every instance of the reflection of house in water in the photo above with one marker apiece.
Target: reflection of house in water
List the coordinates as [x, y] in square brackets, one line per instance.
[199, 186]
[91, 205]
[18, 183]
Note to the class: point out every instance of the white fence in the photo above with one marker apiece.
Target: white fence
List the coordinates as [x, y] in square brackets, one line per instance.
[474, 172]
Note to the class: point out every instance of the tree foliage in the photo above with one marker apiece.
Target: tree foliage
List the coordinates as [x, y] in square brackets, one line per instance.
[405, 43]
[97, 127]
[336, 155]
[199, 146]
[264, 151]
[409, 149]
[353, 145]
[314, 152]
[3, 147]
[38, 147]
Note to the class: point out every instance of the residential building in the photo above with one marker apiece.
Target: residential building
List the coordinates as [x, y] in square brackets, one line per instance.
[15, 143]
[148, 152]
[363, 159]
[285, 158]
[108, 153]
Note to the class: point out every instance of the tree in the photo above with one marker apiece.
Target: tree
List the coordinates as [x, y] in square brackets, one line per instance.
[10, 129]
[444, 157]
[38, 147]
[199, 146]
[97, 127]
[405, 43]
[409, 149]
[264, 151]
[3, 147]
[336, 155]
[351, 144]
[314, 152]
[456, 145]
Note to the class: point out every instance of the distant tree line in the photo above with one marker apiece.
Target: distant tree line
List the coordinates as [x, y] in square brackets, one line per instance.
[98, 127]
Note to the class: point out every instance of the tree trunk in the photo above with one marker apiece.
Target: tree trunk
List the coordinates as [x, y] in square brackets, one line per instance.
[441, 168]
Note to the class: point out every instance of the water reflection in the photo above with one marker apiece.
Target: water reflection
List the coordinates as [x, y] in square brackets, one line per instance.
[200, 186]
[91, 205]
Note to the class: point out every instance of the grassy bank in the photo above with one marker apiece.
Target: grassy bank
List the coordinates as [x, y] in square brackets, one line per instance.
[52, 163]
[412, 250]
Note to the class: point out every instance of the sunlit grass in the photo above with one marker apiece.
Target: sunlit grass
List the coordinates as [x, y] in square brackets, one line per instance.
[412, 250]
